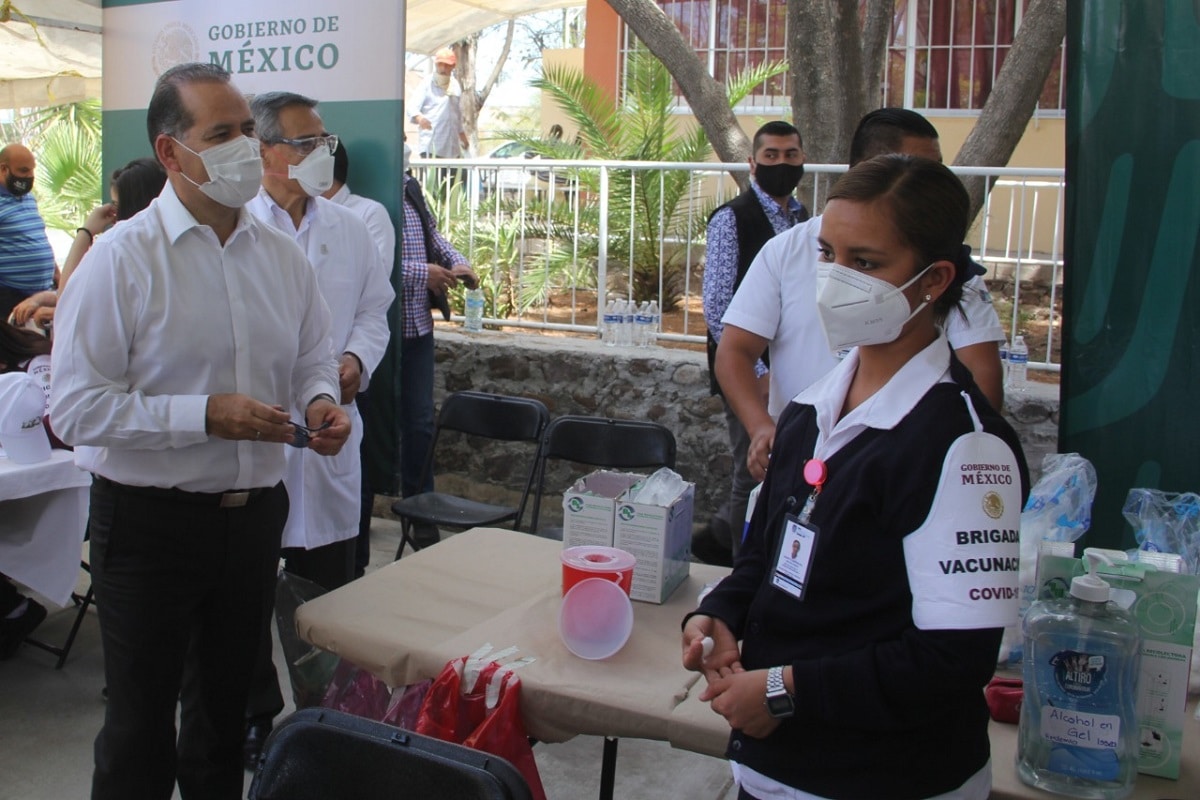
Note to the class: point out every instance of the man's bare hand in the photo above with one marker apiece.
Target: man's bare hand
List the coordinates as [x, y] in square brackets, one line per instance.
[758, 456]
[327, 441]
[438, 279]
[237, 416]
[349, 377]
[464, 273]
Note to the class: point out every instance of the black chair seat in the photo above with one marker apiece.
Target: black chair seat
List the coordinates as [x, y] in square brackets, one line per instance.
[478, 416]
[435, 508]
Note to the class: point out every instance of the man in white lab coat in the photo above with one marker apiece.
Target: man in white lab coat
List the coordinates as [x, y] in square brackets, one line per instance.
[318, 540]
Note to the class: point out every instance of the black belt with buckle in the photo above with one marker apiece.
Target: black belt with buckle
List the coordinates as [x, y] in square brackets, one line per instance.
[231, 499]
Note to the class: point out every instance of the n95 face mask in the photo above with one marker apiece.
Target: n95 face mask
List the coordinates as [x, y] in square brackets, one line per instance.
[857, 309]
[234, 171]
[315, 172]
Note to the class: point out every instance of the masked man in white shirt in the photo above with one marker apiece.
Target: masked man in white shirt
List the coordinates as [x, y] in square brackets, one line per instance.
[325, 493]
[184, 353]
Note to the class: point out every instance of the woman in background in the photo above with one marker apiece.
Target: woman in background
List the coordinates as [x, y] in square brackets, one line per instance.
[864, 657]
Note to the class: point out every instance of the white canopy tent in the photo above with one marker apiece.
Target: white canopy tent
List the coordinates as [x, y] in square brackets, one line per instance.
[50, 49]
[432, 24]
[49, 52]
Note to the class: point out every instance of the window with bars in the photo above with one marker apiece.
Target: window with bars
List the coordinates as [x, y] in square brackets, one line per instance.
[942, 54]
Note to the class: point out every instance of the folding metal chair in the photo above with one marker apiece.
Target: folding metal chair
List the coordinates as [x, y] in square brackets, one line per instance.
[482, 416]
[318, 753]
[600, 442]
[82, 602]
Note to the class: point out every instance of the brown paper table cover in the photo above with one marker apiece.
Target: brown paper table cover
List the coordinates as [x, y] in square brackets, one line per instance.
[403, 622]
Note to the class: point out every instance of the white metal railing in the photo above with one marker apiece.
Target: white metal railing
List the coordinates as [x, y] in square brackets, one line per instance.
[544, 234]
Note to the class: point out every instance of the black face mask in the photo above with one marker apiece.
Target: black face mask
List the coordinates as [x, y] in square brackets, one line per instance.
[18, 186]
[778, 180]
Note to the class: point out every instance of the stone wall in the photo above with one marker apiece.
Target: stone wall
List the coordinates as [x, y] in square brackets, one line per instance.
[664, 385]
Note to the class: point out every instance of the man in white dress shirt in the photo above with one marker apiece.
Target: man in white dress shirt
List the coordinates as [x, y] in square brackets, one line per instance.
[178, 351]
[318, 540]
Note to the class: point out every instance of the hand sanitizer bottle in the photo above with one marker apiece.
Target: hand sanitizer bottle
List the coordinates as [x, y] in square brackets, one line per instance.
[1079, 733]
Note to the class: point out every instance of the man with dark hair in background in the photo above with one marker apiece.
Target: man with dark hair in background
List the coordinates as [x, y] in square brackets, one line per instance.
[737, 230]
[177, 350]
[775, 307]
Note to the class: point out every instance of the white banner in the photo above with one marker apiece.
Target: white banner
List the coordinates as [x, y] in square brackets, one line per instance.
[328, 51]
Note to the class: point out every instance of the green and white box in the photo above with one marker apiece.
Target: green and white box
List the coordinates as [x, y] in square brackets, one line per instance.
[1164, 604]
[590, 505]
[660, 538]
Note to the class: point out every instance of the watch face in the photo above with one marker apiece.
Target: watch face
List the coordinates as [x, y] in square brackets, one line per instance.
[780, 706]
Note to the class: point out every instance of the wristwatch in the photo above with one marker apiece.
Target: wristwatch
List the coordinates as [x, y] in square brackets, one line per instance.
[779, 702]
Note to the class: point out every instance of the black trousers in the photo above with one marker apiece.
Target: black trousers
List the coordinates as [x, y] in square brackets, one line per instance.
[184, 593]
[330, 567]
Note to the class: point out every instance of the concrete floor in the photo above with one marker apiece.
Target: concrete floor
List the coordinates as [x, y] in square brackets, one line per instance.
[49, 719]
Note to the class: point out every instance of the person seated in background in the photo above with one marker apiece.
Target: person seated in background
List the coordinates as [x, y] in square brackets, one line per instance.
[132, 188]
[868, 653]
[28, 352]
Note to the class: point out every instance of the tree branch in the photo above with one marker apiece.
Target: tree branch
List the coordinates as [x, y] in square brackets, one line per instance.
[490, 83]
[704, 94]
[1015, 94]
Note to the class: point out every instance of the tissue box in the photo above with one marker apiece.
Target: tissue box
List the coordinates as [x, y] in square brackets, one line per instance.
[589, 507]
[1165, 609]
[660, 538]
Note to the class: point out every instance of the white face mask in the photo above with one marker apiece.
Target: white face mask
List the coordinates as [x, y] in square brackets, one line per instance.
[858, 309]
[315, 172]
[442, 81]
[234, 171]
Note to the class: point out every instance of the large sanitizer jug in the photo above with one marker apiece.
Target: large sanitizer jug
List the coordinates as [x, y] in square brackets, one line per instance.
[1079, 732]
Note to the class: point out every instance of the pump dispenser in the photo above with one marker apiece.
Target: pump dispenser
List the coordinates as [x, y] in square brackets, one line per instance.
[1078, 734]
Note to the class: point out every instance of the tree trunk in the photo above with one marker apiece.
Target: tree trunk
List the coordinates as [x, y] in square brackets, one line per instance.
[825, 48]
[1015, 94]
[474, 98]
[707, 98]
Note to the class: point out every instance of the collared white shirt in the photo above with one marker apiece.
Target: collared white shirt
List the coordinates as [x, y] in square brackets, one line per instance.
[777, 300]
[378, 221]
[325, 490]
[160, 317]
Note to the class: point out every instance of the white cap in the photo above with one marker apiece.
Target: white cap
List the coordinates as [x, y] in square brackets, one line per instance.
[22, 404]
[1090, 587]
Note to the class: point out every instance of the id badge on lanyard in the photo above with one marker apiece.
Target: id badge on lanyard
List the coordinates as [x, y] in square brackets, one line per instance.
[797, 542]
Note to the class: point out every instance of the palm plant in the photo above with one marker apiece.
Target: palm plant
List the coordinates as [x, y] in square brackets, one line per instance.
[646, 208]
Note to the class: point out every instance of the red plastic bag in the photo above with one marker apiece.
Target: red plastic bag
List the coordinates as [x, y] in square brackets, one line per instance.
[406, 704]
[480, 707]
[356, 691]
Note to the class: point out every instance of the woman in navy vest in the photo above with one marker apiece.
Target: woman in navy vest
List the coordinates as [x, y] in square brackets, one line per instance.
[881, 563]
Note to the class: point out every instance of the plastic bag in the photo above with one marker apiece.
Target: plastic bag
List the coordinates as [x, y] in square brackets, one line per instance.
[405, 705]
[1059, 510]
[1166, 523]
[309, 668]
[478, 704]
[659, 489]
[358, 692]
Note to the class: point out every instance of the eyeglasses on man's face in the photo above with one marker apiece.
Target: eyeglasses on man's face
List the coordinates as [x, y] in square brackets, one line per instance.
[306, 144]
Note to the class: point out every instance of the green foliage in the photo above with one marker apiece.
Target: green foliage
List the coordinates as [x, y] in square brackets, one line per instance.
[647, 210]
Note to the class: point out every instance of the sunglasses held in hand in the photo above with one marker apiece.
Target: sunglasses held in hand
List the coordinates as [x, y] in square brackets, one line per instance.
[304, 434]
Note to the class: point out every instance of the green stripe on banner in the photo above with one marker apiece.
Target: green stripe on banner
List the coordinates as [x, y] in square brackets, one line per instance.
[372, 131]
[121, 3]
[1131, 366]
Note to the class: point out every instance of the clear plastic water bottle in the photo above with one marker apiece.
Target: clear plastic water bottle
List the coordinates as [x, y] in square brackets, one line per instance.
[655, 318]
[643, 320]
[1004, 362]
[627, 327]
[608, 328]
[474, 310]
[1018, 364]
